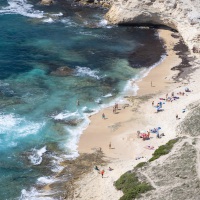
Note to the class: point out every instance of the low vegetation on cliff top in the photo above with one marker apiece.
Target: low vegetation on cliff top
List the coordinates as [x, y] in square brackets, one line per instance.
[129, 182]
[163, 150]
[131, 186]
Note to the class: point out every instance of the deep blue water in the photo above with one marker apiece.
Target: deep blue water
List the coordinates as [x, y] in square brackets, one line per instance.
[35, 105]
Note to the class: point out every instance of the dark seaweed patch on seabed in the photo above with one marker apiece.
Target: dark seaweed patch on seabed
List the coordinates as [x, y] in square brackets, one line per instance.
[148, 54]
[184, 68]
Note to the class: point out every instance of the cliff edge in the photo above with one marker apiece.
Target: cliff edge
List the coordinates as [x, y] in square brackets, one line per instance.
[182, 15]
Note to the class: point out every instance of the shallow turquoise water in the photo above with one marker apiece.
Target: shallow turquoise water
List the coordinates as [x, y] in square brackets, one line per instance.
[35, 105]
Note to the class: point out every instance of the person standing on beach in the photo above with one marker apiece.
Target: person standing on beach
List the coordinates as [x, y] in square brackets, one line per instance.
[114, 109]
[103, 116]
[102, 173]
[110, 145]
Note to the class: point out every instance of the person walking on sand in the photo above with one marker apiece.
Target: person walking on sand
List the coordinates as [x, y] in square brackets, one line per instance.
[103, 116]
[152, 103]
[110, 145]
[114, 110]
[96, 168]
[102, 173]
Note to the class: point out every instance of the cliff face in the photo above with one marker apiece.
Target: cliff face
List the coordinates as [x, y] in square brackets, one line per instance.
[182, 15]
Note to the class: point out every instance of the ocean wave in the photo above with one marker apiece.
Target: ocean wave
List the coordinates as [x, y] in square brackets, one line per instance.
[48, 20]
[98, 100]
[86, 71]
[85, 109]
[21, 7]
[68, 22]
[55, 164]
[107, 95]
[19, 127]
[36, 157]
[34, 194]
[104, 24]
[74, 135]
[65, 115]
[131, 87]
[7, 122]
[46, 180]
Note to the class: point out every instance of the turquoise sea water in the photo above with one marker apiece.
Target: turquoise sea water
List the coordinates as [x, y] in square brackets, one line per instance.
[37, 109]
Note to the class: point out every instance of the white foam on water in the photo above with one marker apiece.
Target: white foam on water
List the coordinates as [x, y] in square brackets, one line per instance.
[56, 163]
[46, 180]
[107, 95]
[29, 128]
[104, 23]
[56, 167]
[65, 115]
[74, 135]
[7, 122]
[36, 157]
[86, 71]
[131, 87]
[69, 22]
[85, 109]
[16, 127]
[48, 20]
[98, 100]
[34, 194]
[21, 7]
[57, 14]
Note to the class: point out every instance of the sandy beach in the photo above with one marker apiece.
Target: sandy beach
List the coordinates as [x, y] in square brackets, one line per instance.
[120, 129]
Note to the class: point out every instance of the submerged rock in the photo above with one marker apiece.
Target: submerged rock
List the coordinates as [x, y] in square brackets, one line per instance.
[62, 71]
[46, 2]
[69, 122]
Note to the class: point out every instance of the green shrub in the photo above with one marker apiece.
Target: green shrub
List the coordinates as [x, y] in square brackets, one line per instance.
[139, 165]
[163, 150]
[131, 186]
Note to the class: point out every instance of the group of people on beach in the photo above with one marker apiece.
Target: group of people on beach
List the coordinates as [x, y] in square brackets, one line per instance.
[115, 108]
[101, 172]
[145, 135]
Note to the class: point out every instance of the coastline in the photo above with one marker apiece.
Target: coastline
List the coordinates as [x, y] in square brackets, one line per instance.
[121, 129]
[93, 139]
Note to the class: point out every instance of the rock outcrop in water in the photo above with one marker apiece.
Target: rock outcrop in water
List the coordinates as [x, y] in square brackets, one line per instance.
[184, 16]
[46, 2]
[62, 71]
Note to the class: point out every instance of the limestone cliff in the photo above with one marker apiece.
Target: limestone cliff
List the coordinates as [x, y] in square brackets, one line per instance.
[182, 15]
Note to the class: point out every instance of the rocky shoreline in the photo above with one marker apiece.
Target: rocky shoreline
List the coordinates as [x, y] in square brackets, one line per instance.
[181, 16]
